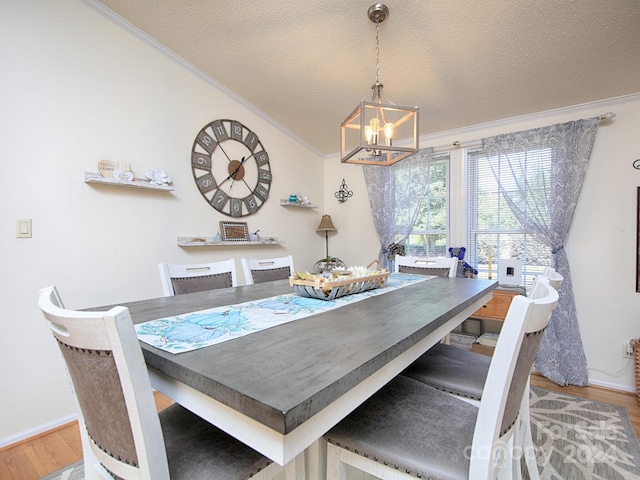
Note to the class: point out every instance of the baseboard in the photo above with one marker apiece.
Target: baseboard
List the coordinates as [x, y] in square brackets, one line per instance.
[32, 433]
[25, 435]
[611, 386]
[600, 384]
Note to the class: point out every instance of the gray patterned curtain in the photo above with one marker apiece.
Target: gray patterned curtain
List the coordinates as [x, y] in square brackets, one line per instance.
[548, 216]
[395, 195]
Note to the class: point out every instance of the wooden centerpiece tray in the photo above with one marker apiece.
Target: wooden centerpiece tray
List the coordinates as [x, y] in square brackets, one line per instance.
[339, 284]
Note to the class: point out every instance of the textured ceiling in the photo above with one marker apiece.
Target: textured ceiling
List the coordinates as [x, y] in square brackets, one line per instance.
[307, 64]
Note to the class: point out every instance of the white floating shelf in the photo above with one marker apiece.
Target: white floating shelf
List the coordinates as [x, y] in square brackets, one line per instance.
[208, 242]
[286, 203]
[91, 177]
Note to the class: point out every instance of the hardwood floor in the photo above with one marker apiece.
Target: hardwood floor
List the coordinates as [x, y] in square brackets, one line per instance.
[50, 451]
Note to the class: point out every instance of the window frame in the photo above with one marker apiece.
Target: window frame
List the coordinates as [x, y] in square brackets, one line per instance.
[472, 231]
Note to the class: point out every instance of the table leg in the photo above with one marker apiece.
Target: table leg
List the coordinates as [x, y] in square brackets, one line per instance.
[295, 469]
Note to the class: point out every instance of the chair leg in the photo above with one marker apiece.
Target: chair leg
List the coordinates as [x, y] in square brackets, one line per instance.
[336, 470]
[525, 440]
[528, 451]
[506, 468]
[93, 469]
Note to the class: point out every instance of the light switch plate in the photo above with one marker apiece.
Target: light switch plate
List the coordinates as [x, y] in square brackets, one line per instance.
[23, 228]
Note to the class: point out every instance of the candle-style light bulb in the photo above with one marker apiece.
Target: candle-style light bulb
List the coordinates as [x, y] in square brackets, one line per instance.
[368, 132]
[375, 128]
[388, 133]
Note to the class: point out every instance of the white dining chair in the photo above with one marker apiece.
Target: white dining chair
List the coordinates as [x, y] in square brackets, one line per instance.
[266, 269]
[409, 429]
[198, 277]
[464, 373]
[555, 279]
[438, 266]
[441, 266]
[126, 435]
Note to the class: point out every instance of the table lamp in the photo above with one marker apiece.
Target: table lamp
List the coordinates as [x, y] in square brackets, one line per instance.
[326, 226]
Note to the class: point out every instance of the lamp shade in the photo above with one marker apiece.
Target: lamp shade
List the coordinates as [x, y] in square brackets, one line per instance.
[326, 225]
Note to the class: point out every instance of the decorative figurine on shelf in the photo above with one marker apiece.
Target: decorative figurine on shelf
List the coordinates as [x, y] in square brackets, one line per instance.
[303, 199]
[157, 176]
[254, 237]
[122, 172]
[293, 199]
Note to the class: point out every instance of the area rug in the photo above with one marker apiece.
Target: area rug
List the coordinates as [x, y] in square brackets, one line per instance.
[580, 439]
[576, 439]
[75, 471]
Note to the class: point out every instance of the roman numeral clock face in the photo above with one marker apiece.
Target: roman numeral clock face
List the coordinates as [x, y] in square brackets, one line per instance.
[231, 168]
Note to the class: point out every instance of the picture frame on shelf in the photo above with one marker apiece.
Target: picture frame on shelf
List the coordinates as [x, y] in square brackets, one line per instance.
[234, 231]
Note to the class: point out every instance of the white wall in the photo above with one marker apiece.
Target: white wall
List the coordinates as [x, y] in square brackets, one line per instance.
[76, 88]
[602, 240]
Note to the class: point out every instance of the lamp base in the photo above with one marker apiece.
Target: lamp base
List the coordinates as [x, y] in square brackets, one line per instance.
[327, 264]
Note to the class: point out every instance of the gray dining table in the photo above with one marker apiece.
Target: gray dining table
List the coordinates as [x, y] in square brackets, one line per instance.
[280, 389]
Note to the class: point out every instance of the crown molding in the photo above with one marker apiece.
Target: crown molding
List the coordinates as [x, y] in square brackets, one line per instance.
[469, 132]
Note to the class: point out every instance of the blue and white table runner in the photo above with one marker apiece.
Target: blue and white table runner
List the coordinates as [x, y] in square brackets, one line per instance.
[195, 330]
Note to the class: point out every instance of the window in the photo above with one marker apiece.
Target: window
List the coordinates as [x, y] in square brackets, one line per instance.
[493, 230]
[430, 234]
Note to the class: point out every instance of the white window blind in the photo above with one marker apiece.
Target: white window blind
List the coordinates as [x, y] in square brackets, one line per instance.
[493, 230]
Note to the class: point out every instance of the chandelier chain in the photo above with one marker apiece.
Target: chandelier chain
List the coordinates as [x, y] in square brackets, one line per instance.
[377, 49]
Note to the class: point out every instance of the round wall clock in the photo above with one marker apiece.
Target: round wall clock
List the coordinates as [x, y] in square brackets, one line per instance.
[231, 168]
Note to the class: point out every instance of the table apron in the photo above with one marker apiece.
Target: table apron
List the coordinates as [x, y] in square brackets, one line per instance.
[284, 448]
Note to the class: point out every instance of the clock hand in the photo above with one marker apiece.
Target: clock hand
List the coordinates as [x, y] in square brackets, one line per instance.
[233, 174]
[238, 167]
[224, 181]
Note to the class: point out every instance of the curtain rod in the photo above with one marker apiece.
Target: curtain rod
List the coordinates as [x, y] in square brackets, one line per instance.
[457, 144]
[478, 143]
